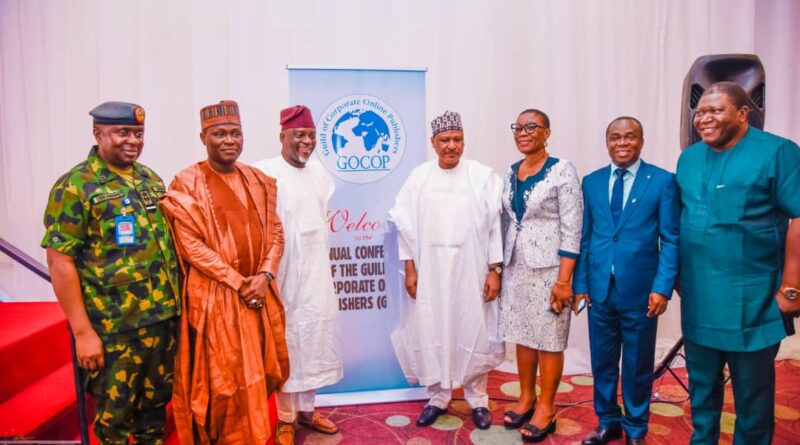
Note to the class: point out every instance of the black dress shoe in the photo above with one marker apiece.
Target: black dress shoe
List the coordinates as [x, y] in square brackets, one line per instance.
[429, 415]
[602, 436]
[517, 420]
[536, 434]
[482, 418]
[634, 441]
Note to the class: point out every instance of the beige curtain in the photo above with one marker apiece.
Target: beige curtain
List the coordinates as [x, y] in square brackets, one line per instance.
[583, 62]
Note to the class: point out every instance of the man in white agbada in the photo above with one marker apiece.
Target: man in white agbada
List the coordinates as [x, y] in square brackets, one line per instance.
[304, 276]
[448, 221]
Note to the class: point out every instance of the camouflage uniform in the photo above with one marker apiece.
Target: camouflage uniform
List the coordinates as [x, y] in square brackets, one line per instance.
[130, 291]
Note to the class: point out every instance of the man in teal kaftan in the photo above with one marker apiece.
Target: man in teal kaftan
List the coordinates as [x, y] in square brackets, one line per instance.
[740, 262]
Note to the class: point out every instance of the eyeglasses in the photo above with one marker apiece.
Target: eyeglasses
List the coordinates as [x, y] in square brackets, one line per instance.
[530, 127]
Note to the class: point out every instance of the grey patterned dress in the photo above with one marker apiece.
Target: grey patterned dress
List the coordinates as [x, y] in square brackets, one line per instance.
[542, 218]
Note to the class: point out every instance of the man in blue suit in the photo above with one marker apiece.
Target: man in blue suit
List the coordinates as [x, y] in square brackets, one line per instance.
[626, 272]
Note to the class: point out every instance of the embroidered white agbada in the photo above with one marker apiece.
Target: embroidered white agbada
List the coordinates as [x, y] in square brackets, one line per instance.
[448, 222]
[304, 275]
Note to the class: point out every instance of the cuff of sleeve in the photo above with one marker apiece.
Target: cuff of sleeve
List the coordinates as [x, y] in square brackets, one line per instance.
[268, 266]
[579, 288]
[270, 276]
[403, 251]
[234, 279]
[566, 254]
[667, 294]
[62, 243]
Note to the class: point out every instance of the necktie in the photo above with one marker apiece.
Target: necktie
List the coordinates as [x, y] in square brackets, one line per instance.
[616, 195]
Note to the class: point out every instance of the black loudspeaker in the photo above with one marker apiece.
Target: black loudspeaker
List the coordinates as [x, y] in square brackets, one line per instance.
[744, 69]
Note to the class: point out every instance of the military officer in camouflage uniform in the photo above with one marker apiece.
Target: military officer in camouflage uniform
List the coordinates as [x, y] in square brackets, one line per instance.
[115, 273]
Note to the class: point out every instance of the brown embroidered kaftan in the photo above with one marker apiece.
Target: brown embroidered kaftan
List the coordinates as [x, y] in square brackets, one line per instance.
[230, 358]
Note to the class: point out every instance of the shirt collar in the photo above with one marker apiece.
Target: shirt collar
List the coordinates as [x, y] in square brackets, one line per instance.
[103, 173]
[633, 169]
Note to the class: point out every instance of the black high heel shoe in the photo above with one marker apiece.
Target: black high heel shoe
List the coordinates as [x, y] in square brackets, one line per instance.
[536, 434]
[517, 420]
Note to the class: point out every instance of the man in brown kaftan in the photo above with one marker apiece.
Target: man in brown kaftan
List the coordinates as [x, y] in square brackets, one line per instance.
[232, 352]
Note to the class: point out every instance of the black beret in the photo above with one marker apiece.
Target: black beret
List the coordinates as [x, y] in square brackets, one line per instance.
[118, 113]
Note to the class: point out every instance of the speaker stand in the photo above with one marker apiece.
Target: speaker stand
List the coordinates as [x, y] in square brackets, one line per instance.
[666, 364]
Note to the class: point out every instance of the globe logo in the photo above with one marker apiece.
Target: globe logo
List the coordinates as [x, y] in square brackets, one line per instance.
[361, 137]
[367, 127]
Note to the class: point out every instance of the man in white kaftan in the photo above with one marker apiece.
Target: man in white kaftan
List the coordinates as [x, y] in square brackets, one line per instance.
[304, 276]
[448, 220]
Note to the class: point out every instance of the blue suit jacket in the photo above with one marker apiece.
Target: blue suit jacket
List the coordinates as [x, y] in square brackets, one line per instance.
[644, 245]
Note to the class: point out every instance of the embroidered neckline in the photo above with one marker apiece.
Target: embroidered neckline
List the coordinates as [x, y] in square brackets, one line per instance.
[514, 183]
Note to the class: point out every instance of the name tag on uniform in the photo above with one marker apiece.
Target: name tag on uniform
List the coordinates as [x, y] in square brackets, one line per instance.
[97, 199]
[125, 228]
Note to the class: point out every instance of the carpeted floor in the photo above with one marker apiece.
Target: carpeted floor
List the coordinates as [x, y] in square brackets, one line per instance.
[40, 336]
[670, 421]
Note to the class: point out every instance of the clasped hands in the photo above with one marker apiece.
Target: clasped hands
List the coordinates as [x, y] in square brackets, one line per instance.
[254, 290]
[560, 297]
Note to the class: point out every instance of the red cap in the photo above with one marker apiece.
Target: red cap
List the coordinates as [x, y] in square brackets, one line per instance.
[225, 112]
[298, 116]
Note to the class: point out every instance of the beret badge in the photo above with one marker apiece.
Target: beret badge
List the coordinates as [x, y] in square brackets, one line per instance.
[138, 113]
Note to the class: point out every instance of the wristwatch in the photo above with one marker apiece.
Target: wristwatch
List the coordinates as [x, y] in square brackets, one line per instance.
[498, 269]
[791, 293]
[269, 276]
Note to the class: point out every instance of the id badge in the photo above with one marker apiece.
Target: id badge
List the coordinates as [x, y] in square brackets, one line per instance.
[125, 228]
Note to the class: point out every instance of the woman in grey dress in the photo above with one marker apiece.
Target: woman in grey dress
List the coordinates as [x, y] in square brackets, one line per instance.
[543, 215]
